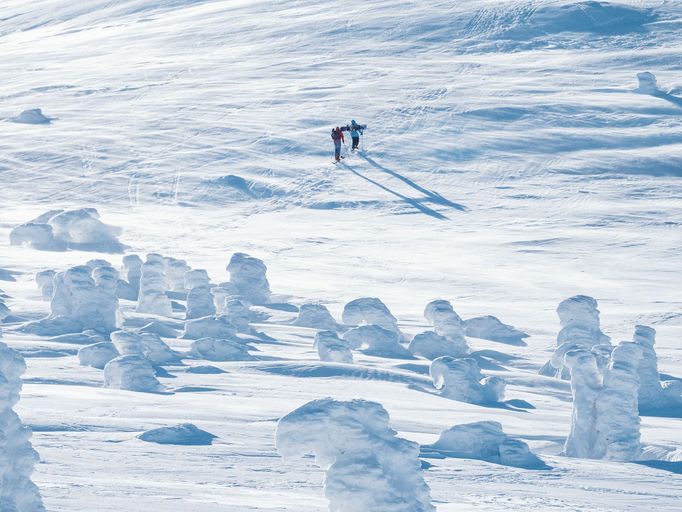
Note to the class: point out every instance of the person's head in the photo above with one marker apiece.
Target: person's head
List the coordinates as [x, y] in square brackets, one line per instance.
[353, 122]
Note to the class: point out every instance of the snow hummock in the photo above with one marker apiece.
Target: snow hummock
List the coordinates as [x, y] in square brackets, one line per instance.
[247, 275]
[32, 116]
[45, 281]
[376, 340]
[213, 349]
[461, 379]
[238, 314]
[218, 326]
[484, 440]
[199, 300]
[370, 311]
[17, 492]
[490, 328]
[97, 355]
[152, 298]
[175, 271]
[653, 394]
[184, 434]
[58, 230]
[131, 373]
[331, 348]
[368, 468]
[647, 83]
[316, 316]
[129, 285]
[432, 346]
[447, 323]
[144, 344]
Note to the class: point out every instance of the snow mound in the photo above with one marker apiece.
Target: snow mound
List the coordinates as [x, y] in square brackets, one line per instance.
[653, 394]
[196, 278]
[152, 298]
[199, 303]
[447, 323]
[377, 341]
[316, 316]
[238, 314]
[129, 285]
[17, 492]
[160, 328]
[218, 326]
[32, 116]
[370, 311]
[431, 345]
[144, 344]
[58, 230]
[647, 83]
[490, 328]
[236, 188]
[97, 355]
[485, 440]
[185, 434]
[247, 275]
[45, 282]
[175, 271]
[332, 349]
[368, 467]
[212, 349]
[83, 298]
[461, 379]
[131, 373]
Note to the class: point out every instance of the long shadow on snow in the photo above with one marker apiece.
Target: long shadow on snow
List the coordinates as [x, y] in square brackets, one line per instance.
[409, 200]
[663, 465]
[432, 196]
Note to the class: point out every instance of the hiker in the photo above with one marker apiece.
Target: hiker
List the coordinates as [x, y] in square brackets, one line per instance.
[355, 132]
[337, 137]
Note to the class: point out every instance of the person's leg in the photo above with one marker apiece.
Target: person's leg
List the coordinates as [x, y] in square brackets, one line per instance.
[337, 150]
[356, 141]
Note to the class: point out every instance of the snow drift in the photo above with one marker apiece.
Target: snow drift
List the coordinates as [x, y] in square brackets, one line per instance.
[185, 434]
[131, 373]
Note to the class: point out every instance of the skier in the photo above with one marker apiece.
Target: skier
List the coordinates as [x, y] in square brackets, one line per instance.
[355, 132]
[337, 137]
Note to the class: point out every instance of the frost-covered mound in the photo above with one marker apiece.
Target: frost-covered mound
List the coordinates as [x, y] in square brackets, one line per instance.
[376, 341]
[144, 344]
[129, 283]
[370, 311]
[83, 298]
[218, 326]
[461, 379]
[175, 271]
[32, 116]
[59, 230]
[490, 328]
[131, 373]
[248, 276]
[432, 346]
[331, 348]
[605, 422]
[97, 355]
[183, 434]
[368, 467]
[45, 281]
[316, 316]
[484, 440]
[17, 492]
[152, 298]
[220, 349]
[654, 396]
[199, 297]
[231, 188]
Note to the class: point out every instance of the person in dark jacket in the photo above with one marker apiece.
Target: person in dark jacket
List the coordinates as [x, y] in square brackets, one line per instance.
[337, 137]
[355, 132]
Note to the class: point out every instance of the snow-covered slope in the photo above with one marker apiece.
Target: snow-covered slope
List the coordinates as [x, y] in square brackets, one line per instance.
[509, 163]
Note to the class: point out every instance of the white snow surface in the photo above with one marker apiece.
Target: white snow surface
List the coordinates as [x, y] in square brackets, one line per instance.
[510, 162]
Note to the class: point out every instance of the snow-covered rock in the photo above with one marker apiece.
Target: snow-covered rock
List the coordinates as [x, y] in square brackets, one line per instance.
[97, 355]
[461, 379]
[144, 344]
[199, 303]
[431, 345]
[375, 340]
[223, 293]
[129, 286]
[331, 348]
[213, 349]
[238, 314]
[131, 373]
[17, 492]
[45, 282]
[448, 324]
[32, 116]
[248, 276]
[218, 326]
[490, 328]
[153, 285]
[368, 467]
[175, 271]
[485, 440]
[316, 316]
[370, 311]
[58, 230]
[647, 83]
[185, 434]
[586, 384]
[196, 278]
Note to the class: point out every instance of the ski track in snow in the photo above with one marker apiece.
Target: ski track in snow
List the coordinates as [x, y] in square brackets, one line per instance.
[508, 164]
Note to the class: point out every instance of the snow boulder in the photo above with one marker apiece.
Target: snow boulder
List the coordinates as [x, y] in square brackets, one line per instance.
[196, 278]
[218, 326]
[370, 311]
[238, 314]
[152, 298]
[175, 271]
[212, 349]
[97, 355]
[490, 328]
[185, 434]
[131, 373]
[199, 303]
[45, 282]
[129, 286]
[485, 440]
[31, 116]
[331, 348]
[461, 379]
[316, 316]
[376, 341]
[248, 276]
[647, 83]
[368, 468]
[431, 345]
[144, 344]
[17, 492]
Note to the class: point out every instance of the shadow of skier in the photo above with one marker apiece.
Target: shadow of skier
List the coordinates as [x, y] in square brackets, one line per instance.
[409, 200]
[432, 196]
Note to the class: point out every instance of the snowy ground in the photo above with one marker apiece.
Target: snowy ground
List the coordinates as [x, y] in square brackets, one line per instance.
[508, 165]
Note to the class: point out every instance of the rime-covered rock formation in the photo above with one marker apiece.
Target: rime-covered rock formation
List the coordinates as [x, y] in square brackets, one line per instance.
[152, 298]
[375, 340]
[98, 354]
[129, 286]
[131, 373]
[248, 276]
[316, 316]
[461, 379]
[370, 311]
[331, 348]
[45, 282]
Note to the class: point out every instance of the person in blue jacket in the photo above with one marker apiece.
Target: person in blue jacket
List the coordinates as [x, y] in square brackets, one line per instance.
[355, 132]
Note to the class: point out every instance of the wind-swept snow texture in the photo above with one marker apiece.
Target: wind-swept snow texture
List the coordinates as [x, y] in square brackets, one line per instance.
[518, 153]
